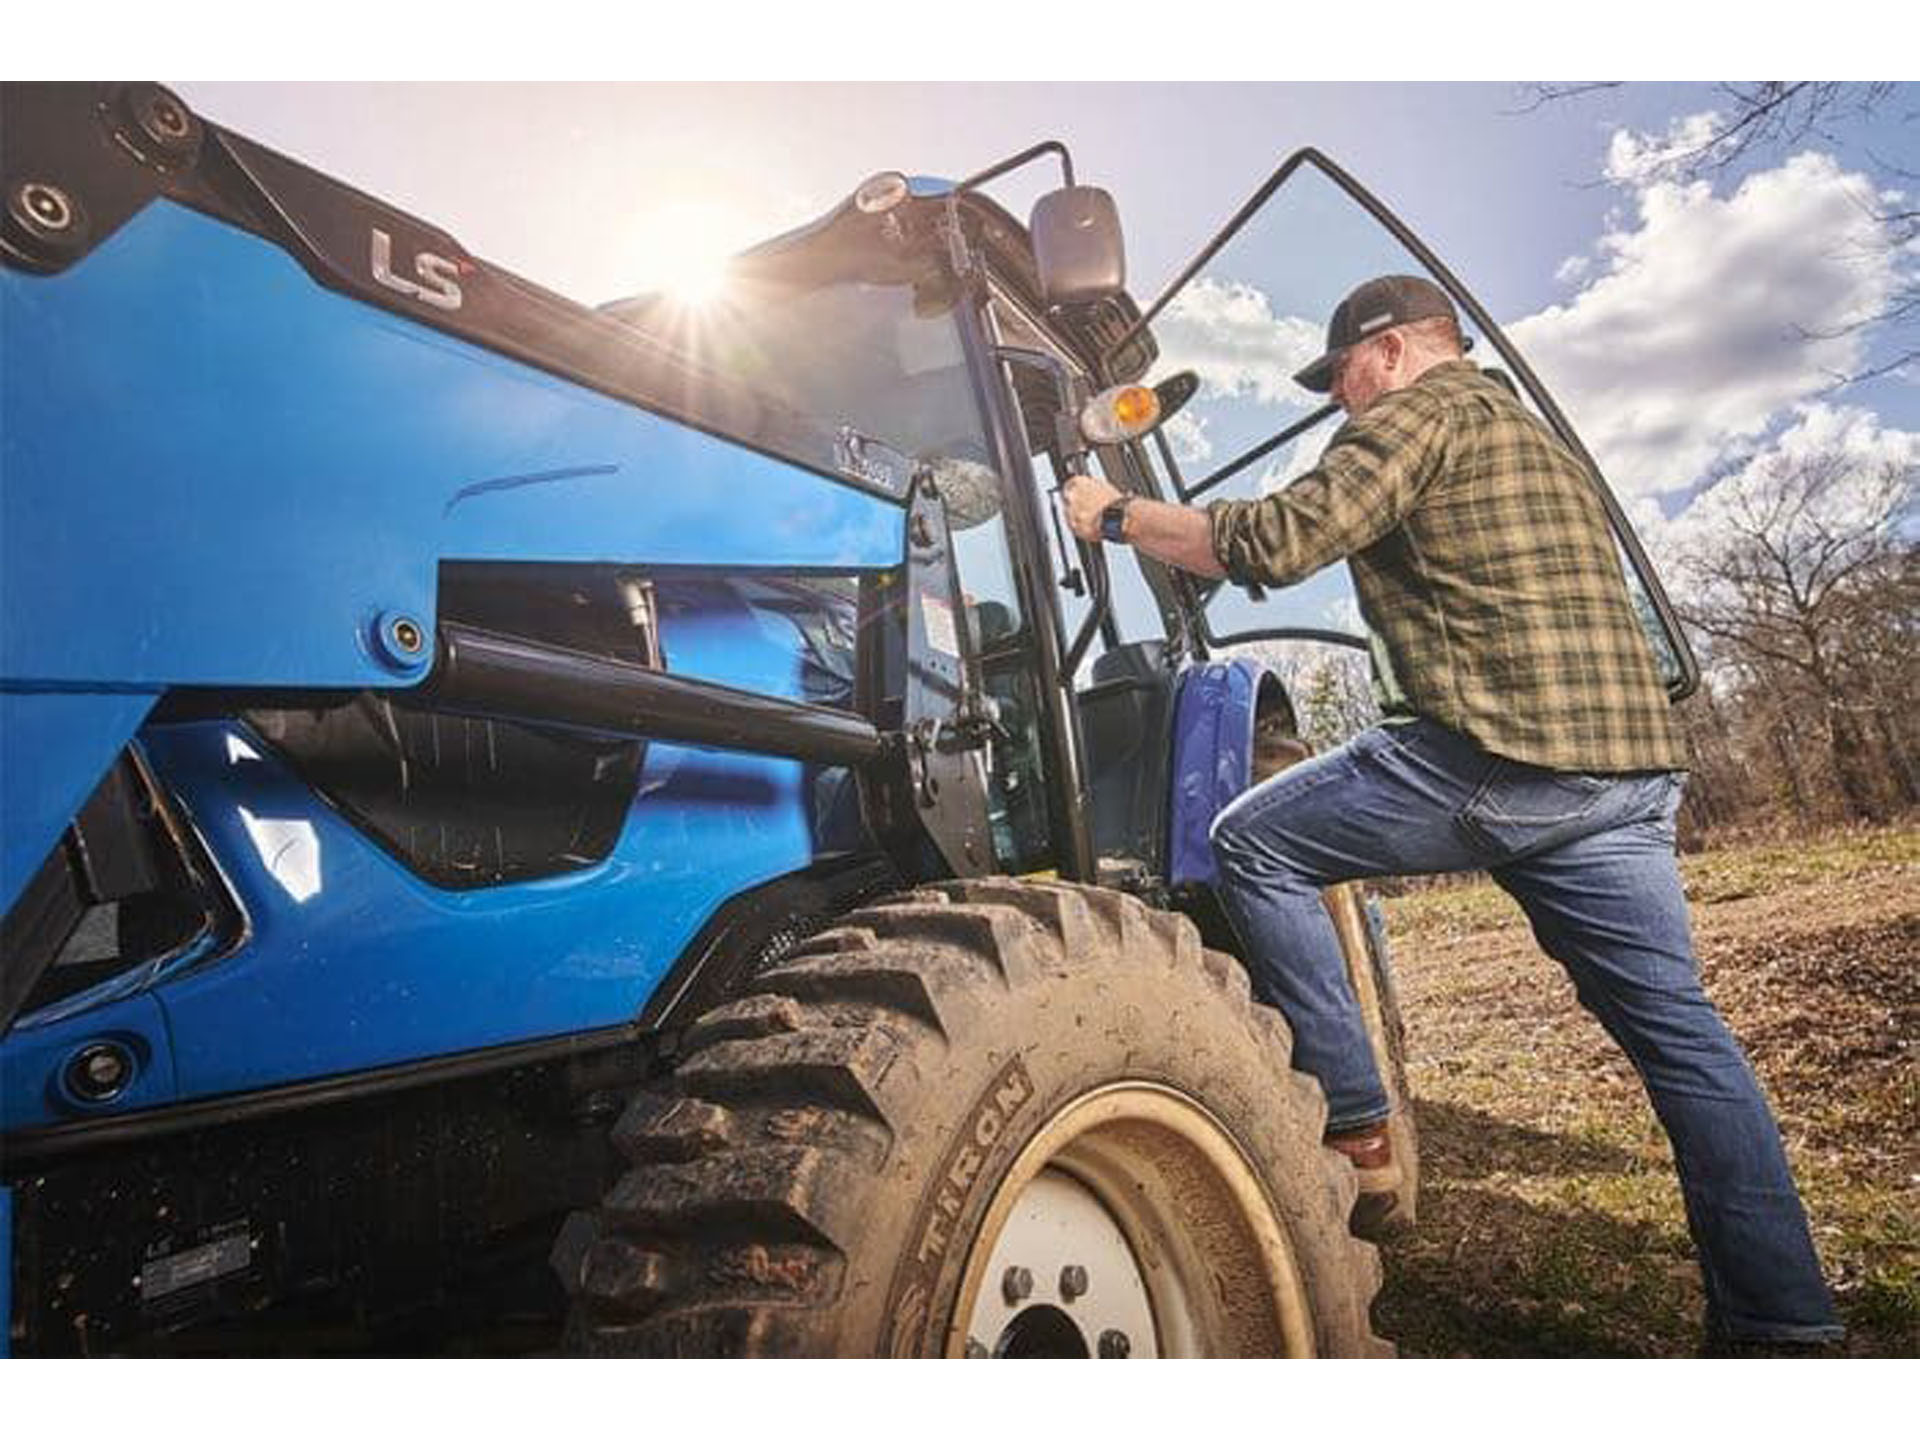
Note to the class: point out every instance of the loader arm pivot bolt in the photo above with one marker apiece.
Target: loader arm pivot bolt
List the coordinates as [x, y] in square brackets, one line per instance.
[44, 224]
[168, 119]
[48, 204]
[156, 125]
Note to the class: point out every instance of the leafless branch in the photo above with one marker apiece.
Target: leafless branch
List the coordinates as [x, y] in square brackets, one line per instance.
[1806, 594]
[1549, 92]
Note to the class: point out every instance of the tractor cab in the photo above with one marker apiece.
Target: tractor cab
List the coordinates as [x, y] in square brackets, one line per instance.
[911, 324]
[940, 342]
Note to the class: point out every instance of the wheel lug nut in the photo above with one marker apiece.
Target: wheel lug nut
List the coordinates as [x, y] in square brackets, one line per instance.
[1017, 1284]
[977, 1351]
[1073, 1282]
[1114, 1345]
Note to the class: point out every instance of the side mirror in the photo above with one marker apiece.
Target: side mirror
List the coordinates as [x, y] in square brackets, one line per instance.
[1126, 412]
[1077, 245]
[1175, 391]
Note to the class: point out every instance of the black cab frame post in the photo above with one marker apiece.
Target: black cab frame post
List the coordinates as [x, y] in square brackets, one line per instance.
[1032, 571]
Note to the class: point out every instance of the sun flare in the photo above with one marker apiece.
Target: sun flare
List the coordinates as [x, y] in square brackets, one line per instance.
[681, 250]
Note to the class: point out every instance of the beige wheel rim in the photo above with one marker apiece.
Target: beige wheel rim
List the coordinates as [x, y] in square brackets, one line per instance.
[1179, 1247]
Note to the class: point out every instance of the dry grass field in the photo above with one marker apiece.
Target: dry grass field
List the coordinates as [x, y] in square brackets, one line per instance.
[1550, 1219]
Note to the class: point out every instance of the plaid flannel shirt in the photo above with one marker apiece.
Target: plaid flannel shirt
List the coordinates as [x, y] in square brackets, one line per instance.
[1485, 567]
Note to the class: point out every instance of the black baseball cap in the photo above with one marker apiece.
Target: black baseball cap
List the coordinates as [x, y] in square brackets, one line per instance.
[1378, 305]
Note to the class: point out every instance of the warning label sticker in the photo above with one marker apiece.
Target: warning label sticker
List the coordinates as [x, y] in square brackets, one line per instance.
[938, 617]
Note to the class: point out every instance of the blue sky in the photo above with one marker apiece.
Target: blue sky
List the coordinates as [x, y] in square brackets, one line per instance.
[1668, 317]
[1497, 189]
[562, 182]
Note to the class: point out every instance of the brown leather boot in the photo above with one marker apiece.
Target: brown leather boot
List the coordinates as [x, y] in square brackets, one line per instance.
[1368, 1148]
[1376, 1211]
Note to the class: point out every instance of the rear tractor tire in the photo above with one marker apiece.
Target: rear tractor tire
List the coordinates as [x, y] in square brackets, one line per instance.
[985, 1118]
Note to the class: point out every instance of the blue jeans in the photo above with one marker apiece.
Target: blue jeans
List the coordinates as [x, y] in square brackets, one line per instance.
[1590, 859]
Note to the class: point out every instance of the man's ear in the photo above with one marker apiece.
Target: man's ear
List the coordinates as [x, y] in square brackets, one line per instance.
[1393, 349]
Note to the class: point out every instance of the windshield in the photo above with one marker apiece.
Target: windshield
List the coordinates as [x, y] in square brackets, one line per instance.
[1249, 316]
[1253, 315]
[849, 325]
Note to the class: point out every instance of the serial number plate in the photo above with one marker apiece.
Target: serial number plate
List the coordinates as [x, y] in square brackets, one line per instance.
[195, 1267]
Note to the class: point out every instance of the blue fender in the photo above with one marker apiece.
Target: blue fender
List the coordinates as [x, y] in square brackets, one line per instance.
[1212, 759]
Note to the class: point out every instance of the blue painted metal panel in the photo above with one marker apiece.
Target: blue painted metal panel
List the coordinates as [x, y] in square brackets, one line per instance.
[54, 747]
[219, 472]
[351, 961]
[35, 1055]
[354, 962]
[1212, 759]
[708, 630]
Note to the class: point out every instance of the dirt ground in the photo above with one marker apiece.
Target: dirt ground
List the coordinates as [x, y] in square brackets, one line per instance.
[1550, 1219]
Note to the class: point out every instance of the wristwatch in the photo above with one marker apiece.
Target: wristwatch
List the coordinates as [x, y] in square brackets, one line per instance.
[1113, 521]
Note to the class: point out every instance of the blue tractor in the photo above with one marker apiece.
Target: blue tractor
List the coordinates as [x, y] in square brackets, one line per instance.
[630, 829]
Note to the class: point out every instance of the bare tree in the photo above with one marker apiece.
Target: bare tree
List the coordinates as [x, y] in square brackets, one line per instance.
[1800, 577]
[1755, 116]
[1330, 687]
[1721, 788]
[1880, 636]
[1335, 699]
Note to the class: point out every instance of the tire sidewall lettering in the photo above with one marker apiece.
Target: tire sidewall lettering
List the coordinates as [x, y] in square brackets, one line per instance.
[936, 1233]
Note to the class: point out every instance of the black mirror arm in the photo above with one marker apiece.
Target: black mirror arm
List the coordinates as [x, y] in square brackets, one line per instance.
[1014, 162]
[1211, 248]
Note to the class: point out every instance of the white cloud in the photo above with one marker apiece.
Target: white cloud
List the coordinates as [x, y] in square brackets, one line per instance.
[1842, 430]
[1299, 458]
[1638, 160]
[1228, 333]
[1820, 432]
[1703, 331]
[1574, 269]
[1187, 433]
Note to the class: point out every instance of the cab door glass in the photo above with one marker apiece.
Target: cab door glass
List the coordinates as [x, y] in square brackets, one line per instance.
[1001, 641]
[1252, 313]
[982, 556]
